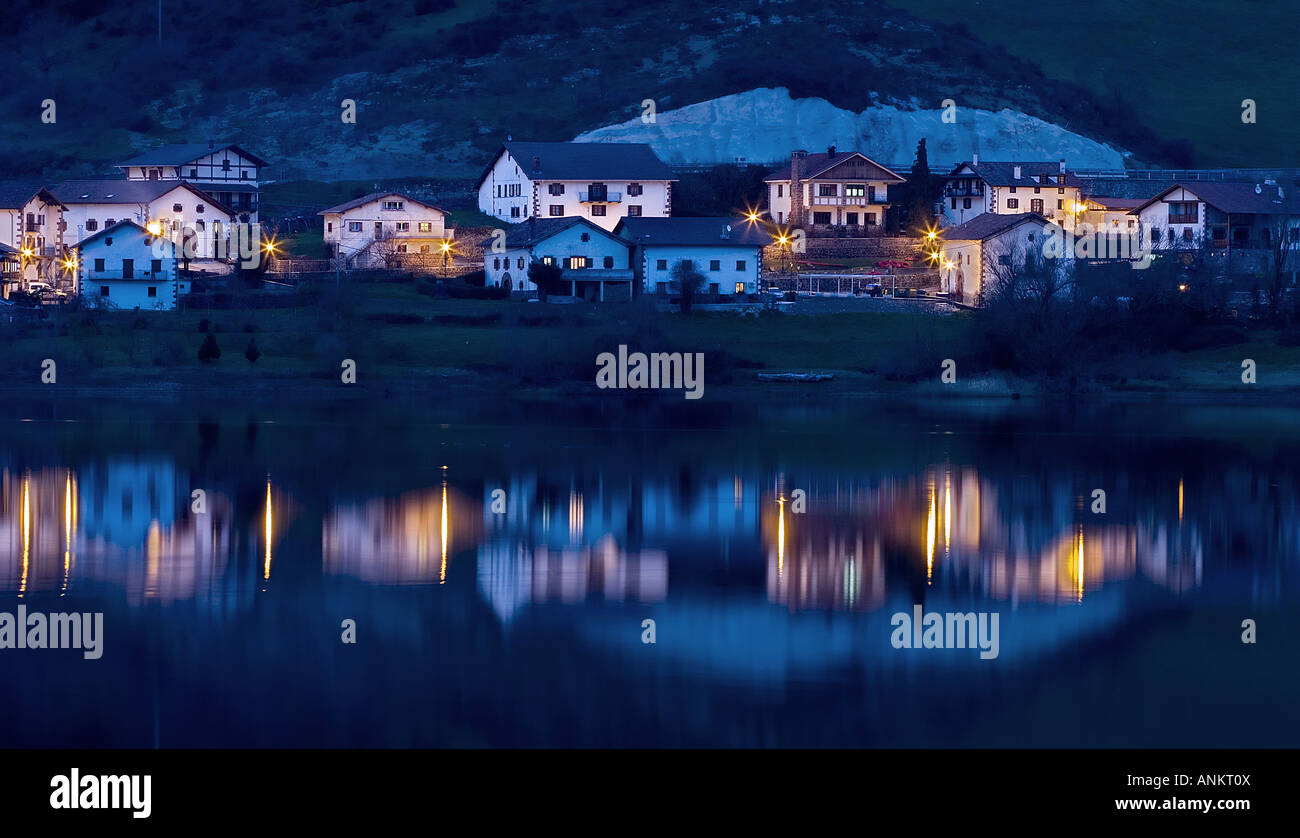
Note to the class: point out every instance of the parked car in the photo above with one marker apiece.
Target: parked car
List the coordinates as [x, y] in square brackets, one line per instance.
[39, 288]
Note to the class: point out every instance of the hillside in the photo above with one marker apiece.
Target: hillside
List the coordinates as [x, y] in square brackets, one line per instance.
[438, 83]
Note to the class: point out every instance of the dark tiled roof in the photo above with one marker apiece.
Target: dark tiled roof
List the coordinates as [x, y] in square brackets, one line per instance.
[127, 192]
[375, 196]
[16, 194]
[725, 231]
[815, 164]
[177, 154]
[1239, 197]
[1003, 173]
[534, 230]
[584, 161]
[126, 222]
[1112, 203]
[6, 250]
[987, 225]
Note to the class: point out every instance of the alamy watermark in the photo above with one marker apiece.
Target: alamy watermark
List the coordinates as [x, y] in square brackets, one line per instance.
[950, 630]
[654, 371]
[35, 630]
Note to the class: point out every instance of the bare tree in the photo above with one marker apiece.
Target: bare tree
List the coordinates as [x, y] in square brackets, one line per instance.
[1281, 264]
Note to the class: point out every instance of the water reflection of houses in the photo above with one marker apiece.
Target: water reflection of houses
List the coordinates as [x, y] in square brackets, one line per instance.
[409, 539]
[1025, 538]
[126, 523]
[549, 541]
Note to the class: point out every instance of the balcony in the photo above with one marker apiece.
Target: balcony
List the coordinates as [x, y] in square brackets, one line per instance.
[964, 191]
[594, 197]
[1183, 218]
[869, 200]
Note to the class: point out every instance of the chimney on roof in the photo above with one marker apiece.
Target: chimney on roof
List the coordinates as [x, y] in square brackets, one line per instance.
[1015, 173]
[796, 188]
[537, 165]
[1062, 165]
[830, 151]
[975, 159]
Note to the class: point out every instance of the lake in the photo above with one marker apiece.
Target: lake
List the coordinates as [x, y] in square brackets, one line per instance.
[503, 566]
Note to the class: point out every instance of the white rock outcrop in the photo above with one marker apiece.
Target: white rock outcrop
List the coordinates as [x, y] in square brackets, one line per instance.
[766, 124]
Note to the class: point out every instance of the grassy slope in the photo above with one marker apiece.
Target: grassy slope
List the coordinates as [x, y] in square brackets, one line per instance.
[453, 77]
[1184, 68]
[305, 344]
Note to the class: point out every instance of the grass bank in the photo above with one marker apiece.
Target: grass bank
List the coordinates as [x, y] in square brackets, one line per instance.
[403, 340]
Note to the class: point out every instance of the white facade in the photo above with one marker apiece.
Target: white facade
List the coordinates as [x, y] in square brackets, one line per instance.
[385, 228]
[170, 214]
[508, 193]
[727, 269]
[577, 249]
[230, 174]
[966, 195]
[968, 268]
[845, 189]
[35, 230]
[121, 268]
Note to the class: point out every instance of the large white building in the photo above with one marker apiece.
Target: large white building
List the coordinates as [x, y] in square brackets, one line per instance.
[600, 182]
[31, 222]
[835, 191]
[728, 252]
[973, 255]
[386, 229]
[228, 173]
[163, 207]
[1224, 216]
[1012, 188]
[120, 267]
[596, 263]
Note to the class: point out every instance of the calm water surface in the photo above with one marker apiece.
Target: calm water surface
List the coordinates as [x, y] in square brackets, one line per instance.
[772, 620]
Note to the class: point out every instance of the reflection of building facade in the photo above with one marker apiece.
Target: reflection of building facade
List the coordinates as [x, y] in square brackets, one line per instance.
[1017, 540]
[399, 541]
[564, 543]
[122, 522]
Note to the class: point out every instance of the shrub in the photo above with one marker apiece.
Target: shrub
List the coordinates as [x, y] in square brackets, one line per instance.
[140, 323]
[209, 351]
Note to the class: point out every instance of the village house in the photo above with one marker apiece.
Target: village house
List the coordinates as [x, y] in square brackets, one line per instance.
[601, 182]
[120, 267]
[10, 267]
[31, 222]
[1236, 218]
[726, 251]
[388, 230]
[228, 173]
[1012, 188]
[596, 262]
[163, 207]
[1110, 215]
[972, 256]
[835, 192]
